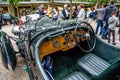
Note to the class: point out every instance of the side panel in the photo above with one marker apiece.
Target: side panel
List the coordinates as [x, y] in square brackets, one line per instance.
[106, 51]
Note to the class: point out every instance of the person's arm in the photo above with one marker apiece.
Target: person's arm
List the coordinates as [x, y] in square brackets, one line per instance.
[110, 20]
[118, 22]
[96, 5]
[99, 10]
[74, 14]
[41, 11]
[63, 12]
[116, 10]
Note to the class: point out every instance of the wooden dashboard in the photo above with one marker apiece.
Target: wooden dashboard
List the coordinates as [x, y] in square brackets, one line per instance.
[62, 42]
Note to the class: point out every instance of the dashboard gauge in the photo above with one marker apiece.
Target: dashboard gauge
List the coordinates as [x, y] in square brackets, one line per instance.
[56, 44]
[67, 38]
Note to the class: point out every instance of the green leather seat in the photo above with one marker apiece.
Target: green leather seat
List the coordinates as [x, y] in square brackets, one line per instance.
[92, 67]
[93, 64]
[76, 76]
[98, 68]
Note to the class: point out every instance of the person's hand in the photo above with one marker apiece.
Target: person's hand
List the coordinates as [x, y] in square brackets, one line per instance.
[96, 4]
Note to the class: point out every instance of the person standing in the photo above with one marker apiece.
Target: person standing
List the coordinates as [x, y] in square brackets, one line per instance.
[78, 9]
[88, 12]
[60, 14]
[100, 12]
[49, 11]
[7, 17]
[108, 11]
[88, 15]
[112, 21]
[1, 18]
[65, 12]
[41, 11]
[55, 14]
[81, 14]
[118, 15]
[74, 12]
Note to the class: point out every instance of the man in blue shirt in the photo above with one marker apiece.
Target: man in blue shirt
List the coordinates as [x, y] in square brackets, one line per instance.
[100, 12]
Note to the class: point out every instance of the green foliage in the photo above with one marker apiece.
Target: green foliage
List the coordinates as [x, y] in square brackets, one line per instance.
[79, 0]
[95, 1]
[106, 1]
[13, 2]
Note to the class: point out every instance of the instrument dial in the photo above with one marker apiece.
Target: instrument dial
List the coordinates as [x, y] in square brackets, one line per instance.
[56, 44]
[67, 38]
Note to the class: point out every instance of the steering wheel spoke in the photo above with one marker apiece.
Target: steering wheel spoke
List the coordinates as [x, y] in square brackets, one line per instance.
[89, 45]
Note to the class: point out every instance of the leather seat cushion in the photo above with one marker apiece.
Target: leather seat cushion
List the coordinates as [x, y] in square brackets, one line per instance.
[76, 76]
[92, 64]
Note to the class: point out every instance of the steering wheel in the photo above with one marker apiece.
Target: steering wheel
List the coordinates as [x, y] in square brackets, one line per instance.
[84, 33]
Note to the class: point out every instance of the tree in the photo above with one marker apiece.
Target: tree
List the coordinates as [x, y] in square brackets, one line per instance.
[80, 0]
[70, 9]
[99, 1]
[14, 4]
[51, 2]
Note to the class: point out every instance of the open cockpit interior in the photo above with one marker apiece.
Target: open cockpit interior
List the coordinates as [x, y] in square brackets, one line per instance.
[75, 53]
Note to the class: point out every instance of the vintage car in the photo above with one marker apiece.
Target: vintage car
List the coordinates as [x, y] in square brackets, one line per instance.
[63, 50]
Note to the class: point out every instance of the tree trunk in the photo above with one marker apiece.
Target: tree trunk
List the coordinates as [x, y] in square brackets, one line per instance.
[18, 12]
[15, 10]
[70, 9]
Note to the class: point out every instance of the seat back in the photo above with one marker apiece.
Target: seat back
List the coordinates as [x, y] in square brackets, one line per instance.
[105, 50]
